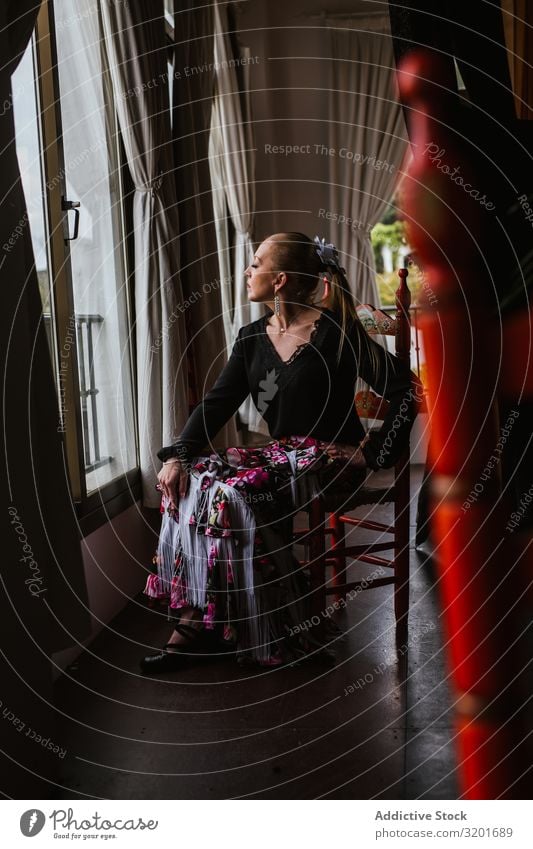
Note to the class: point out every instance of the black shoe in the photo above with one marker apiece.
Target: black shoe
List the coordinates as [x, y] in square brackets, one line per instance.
[199, 642]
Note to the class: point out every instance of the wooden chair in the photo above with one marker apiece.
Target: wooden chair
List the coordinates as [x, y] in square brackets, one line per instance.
[314, 537]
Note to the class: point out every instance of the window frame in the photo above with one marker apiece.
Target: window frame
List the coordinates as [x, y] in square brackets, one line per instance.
[98, 507]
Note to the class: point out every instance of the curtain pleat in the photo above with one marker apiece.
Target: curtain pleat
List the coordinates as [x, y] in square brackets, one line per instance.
[517, 23]
[203, 286]
[134, 39]
[367, 131]
[235, 161]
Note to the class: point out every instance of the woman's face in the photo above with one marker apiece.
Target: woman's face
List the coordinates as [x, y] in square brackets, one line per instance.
[262, 278]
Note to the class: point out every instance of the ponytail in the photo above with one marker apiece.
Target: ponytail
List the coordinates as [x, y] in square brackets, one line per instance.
[340, 300]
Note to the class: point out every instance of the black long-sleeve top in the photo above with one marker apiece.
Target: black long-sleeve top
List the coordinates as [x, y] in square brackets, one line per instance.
[312, 395]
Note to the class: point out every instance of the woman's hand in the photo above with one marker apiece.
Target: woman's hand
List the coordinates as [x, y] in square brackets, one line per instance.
[174, 480]
[351, 454]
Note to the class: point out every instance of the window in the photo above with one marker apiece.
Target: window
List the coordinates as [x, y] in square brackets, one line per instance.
[390, 244]
[27, 128]
[92, 179]
[69, 154]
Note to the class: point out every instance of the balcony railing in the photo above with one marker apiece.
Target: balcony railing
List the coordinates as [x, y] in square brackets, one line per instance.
[85, 324]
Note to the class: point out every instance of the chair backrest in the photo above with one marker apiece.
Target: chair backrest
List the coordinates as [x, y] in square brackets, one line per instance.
[378, 323]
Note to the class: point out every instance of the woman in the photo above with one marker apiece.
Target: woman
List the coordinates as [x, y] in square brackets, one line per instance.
[224, 558]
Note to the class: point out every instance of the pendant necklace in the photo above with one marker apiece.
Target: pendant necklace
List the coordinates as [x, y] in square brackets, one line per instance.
[284, 329]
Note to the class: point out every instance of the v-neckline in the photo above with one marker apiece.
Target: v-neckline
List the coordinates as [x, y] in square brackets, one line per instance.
[297, 351]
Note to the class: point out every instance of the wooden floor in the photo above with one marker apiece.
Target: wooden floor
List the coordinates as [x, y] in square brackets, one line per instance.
[220, 731]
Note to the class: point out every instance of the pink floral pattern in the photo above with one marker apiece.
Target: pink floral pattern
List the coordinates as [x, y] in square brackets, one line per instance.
[262, 476]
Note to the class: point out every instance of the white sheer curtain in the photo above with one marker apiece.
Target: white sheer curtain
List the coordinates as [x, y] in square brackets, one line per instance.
[367, 131]
[218, 188]
[134, 36]
[235, 161]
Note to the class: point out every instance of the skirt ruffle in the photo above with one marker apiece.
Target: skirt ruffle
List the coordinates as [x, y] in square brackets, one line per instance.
[228, 548]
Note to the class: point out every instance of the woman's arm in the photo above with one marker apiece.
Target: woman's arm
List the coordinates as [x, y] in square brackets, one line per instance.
[215, 409]
[217, 406]
[392, 379]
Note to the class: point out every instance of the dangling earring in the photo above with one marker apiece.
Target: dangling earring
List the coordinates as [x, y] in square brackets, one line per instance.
[277, 306]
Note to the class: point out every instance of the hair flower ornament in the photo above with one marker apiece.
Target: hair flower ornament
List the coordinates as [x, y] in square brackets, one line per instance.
[328, 254]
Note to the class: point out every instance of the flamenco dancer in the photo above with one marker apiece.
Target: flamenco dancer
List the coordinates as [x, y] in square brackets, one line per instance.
[224, 559]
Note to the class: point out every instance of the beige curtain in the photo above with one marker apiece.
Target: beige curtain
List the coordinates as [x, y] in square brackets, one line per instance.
[235, 161]
[517, 18]
[134, 36]
[368, 133]
[203, 286]
[220, 213]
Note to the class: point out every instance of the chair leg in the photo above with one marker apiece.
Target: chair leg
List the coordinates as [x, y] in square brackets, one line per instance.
[401, 589]
[338, 540]
[401, 547]
[317, 562]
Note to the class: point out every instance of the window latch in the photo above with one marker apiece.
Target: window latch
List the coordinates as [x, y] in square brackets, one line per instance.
[67, 205]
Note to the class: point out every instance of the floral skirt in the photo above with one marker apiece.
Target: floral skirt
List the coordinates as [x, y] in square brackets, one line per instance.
[227, 550]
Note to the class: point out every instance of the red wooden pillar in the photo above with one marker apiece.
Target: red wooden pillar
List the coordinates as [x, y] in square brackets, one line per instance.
[478, 588]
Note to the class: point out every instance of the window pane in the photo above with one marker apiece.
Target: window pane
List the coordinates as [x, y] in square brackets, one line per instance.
[92, 178]
[29, 156]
